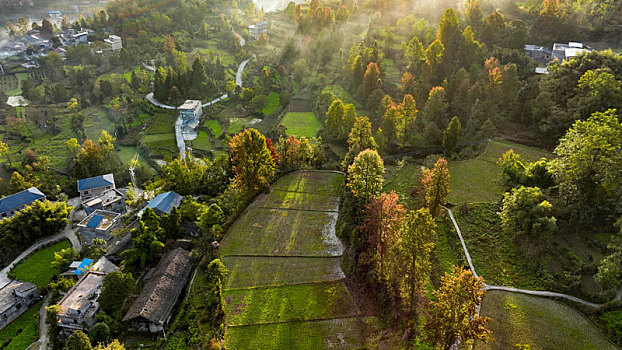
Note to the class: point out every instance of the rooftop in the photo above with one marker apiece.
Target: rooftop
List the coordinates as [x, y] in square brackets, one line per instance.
[157, 299]
[105, 198]
[95, 182]
[16, 200]
[99, 219]
[82, 293]
[164, 202]
[7, 296]
[190, 104]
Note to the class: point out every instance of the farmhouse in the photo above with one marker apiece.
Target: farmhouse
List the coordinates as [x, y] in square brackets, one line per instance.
[538, 53]
[191, 110]
[163, 203]
[154, 306]
[99, 192]
[79, 306]
[99, 224]
[114, 42]
[15, 298]
[567, 51]
[255, 29]
[10, 205]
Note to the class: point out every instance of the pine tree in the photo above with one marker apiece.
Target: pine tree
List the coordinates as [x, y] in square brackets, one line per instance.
[451, 137]
[436, 185]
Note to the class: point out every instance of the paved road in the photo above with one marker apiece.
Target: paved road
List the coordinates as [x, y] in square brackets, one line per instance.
[541, 293]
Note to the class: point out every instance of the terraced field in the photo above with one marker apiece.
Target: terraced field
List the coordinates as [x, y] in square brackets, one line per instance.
[285, 288]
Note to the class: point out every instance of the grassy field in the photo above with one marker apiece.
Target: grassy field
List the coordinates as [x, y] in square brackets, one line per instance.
[202, 142]
[340, 93]
[272, 287]
[288, 303]
[538, 322]
[36, 269]
[273, 103]
[301, 124]
[237, 125]
[20, 333]
[214, 126]
[477, 180]
[402, 180]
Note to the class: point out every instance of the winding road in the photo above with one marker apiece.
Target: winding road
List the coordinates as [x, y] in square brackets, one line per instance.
[181, 144]
[541, 293]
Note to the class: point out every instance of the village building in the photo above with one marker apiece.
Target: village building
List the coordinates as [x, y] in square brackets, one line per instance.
[163, 203]
[99, 224]
[540, 54]
[114, 42]
[255, 29]
[79, 306]
[10, 205]
[80, 38]
[99, 192]
[154, 306]
[15, 298]
[55, 14]
[190, 114]
[568, 51]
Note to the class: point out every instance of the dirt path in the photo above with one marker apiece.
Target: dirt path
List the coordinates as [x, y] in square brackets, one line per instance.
[541, 293]
[285, 288]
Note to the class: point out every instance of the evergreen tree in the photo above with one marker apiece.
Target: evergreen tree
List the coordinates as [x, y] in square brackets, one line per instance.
[436, 185]
[451, 137]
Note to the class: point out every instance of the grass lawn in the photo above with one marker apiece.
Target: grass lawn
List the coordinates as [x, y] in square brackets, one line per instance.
[341, 93]
[36, 269]
[282, 232]
[288, 303]
[53, 146]
[202, 142]
[477, 180]
[237, 125]
[163, 123]
[538, 322]
[20, 333]
[339, 334]
[312, 182]
[127, 153]
[402, 180]
[279, 199]
[301, 124]
[391, 72]
[214, 126]
[273, 104]
[97, 120]
[247, 272]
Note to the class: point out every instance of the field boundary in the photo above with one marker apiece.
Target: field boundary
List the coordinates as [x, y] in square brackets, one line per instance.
[357, 316]
[285, 285]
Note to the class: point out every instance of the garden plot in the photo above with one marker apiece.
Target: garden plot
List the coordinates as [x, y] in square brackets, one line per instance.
[283, 232]
[344, 333]
[250, 272]
[289, 303]
[285, 288]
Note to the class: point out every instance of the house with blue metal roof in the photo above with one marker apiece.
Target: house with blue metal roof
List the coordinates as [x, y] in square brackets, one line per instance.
[100, 192]
[163, 203]
[10, 205]
[99, 224]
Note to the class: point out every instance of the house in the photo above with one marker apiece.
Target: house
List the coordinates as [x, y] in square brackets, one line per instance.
[568, 51]
[79, 306]
[79, 268]
[255, 29]
[15, 298]
[538, 53]
[55, 14]
[190, 110]
[99, 192]
[154, 306]
[104, 265]
[80, 38]
[163, 203]
[99, 224]
[10, 205]
[542, 70]
[114, 42]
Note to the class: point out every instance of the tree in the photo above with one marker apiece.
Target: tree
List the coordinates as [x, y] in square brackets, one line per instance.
[436, 109]
[451, 136]
[145, 246]
[436, 186]
[100, 333]
[51, 320]
[512, 169]
[116, 287]
[609, 273]
[114, 345]
[78, 341]
[454, 312]
[253, 165]
[63, 259]
[371, 78]
[334, 117]
[359, 139]
[415, 247]
[588, 167]
[5, 152]
[216, 272]
[365, 175]
[526, 216]
[383, 216]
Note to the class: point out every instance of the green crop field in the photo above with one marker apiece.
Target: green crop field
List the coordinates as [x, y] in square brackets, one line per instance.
[340, 93]
[477, 180]
[214, 126]
[247, 271]
[293, 232]
[288, 303]
[36, 269]
[273, 103]
[20, 333]
[301, 124]
[202, 142]
[539, 323]
[274, 286]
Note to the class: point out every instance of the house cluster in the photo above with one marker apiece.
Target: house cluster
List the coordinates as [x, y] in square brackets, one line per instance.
[561, 52]
[255, 29]
[37, 44]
